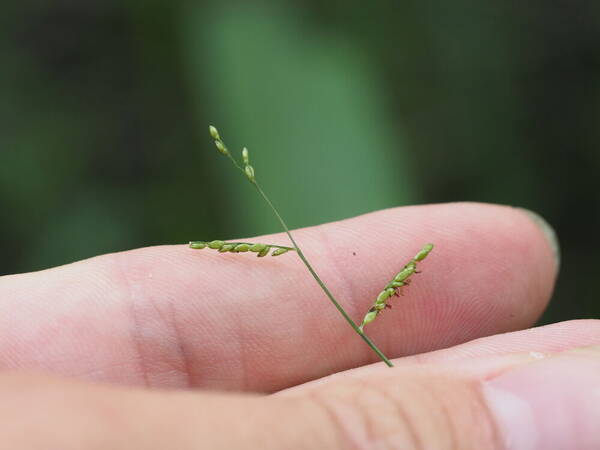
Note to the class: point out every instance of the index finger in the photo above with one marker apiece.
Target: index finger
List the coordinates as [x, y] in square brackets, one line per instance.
[173, 316]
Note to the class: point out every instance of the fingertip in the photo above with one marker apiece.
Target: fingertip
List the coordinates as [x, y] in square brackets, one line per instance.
[548, 232]
[492, 270]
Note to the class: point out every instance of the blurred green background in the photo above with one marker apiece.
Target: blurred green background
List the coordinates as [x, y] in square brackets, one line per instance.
[349, 106]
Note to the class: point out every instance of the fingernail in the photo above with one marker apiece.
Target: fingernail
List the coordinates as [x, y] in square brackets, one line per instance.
[552, 403]
[548, 231]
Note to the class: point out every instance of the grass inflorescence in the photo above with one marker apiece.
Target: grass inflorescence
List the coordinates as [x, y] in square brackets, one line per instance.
[242, 247]
[400, 280]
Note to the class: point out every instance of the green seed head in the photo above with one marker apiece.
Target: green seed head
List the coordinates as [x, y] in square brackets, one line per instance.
[406, 272]
[257, 247]
[214, 133]
[249, 171]
[382, 297]
[264, 252]
[221, 147]
[226, 248]
[245, 156]
[216, 244]
[423, 253]
[198, 245]
[401, 279]
[279, 251]
[241, 248]
[370, 317]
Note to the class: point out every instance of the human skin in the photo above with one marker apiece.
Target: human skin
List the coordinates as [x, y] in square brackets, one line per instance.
[169, 347]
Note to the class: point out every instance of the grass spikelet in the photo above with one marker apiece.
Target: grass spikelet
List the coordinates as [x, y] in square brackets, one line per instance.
[214, 133]
[279, 251]
[215, 245]
[257, 247]
[264, 252]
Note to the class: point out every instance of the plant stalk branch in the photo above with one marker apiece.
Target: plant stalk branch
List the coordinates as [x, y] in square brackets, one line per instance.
[310, 268]
[320, 282]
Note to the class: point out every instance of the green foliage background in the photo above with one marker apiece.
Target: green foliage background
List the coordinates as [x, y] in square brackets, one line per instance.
[349, 107]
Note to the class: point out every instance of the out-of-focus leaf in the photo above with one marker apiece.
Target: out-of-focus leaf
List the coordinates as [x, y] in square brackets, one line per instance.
[306, 103]
[92, 224]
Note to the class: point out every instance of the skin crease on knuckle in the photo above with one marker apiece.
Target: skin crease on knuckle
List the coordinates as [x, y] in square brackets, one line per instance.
[416, 409]
[409, 409]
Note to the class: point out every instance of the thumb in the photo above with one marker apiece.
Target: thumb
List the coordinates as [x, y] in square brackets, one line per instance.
[552, 403]
[549, 402]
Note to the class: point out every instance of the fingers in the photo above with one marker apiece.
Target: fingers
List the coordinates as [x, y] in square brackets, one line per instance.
[534, 389]
[52, 414]
[493, 354]
[546, 403]
[537, 342]
[172, 316]
[406, 411]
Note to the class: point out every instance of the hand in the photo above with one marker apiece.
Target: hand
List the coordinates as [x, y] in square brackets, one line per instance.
[146, 321]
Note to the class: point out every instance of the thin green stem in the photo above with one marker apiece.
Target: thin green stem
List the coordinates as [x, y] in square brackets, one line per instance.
[306, 263]
[320, 282]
